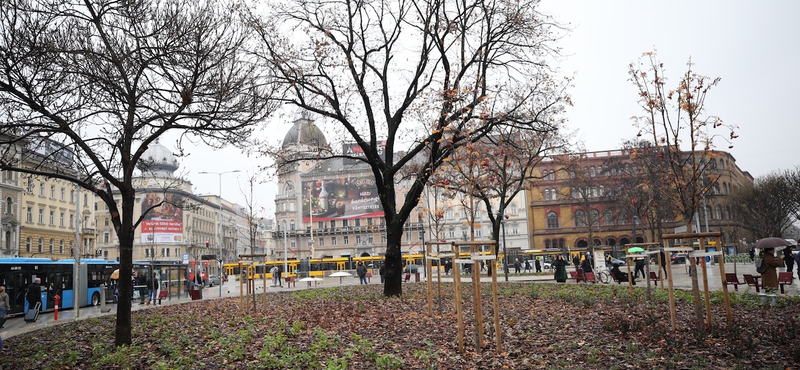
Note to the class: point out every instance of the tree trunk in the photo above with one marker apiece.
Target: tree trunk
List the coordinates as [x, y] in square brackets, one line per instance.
[393, 285]
[123, 325]
[698, 304]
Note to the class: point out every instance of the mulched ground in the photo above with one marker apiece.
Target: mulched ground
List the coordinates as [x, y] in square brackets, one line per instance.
[543, 326]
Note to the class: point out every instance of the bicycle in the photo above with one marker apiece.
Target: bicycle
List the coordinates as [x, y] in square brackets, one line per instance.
[602, 274]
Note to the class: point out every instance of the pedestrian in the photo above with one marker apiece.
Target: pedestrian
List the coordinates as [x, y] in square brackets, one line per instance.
[280, 272]
[664, 263]
[517, 266]
[797, 261]
[576, 260]
[382, 272]
[483, 266]
[527, 265]
[154, 285]
[34, 293]
[769, 278]
[788, 259]
[274, 272]
[361, 270]
[752, 254]
[560, 268]
[538, 265]
[639, 268]
[586, 266]
[5, 305]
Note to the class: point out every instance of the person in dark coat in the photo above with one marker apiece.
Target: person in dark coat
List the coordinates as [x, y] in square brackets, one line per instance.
[621, 276]
[560, 268]
[361, 270]
[640, 268]
[769, 279]
[664, 263]
[382, 272]
[788, 258]
[576, 260]
[517, 266]
[538, 266]
[34, 293]
[797, 261]
[586, 266]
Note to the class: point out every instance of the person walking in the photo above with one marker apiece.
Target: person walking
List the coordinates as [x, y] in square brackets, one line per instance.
[639, 268]
[382, 272]
[576, 260]
[34, 293]
[5, 305]
[280, 272]
[274, 272]
[517, 266]
[361, 270]
[664, 263]
[560, 268]
[752, 254]
[527, 265]
[769, 278]
[538, 265]
[788, 259]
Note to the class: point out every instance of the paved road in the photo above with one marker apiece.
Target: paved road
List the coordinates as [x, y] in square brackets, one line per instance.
[681, 280]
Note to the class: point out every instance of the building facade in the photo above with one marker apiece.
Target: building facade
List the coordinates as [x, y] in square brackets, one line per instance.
[570, 211]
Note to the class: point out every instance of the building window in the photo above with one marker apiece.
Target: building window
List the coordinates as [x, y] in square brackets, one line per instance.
[321, 242]
[41, 189]
[106, 221]
[51, 244]
[291, 225]
[514, 229]
[718, 212]
[61, 219]
[580, 218]
[29, 214]
[546, 194]
[333, 224]
[452, 233]
[41, 245]
[552, 220]
[41, 216]
[71, 221]
[72, 196]
[320, 225]
[357, 222]
[291, 207]
[9, 206]
[28, 245]
[106, 237]
[346, 239]
[61, 247]
[592, 172]
[333, 240]
[344, 223]
[63, 194]
[85, 200]
[547, 243]
[608, 217]
[513, 209]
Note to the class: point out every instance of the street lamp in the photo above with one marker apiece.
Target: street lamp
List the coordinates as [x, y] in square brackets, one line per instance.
[219, 217]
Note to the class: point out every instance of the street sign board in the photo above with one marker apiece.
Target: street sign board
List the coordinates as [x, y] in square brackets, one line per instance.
[186, 258]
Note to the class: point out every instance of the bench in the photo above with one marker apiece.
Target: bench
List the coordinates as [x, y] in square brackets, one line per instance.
[162, 294]
[589, 278]
[654, 277]
[732, 279]
[784, 278]
[751, 281]
[290, 282]
[577, 275]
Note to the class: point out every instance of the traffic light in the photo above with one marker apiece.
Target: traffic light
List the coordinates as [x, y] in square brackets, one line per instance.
[206, 243]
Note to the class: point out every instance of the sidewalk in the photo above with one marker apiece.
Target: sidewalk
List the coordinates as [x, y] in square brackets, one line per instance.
[681, 280]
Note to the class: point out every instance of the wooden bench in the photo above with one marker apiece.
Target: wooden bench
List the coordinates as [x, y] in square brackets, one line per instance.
[732, 279]
[589, 278]
[751, 281]
[654, 277]
[577, 275]
[784, 278]
[290, 282]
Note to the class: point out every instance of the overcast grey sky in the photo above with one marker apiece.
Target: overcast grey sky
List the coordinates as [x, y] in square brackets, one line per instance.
[753, 46]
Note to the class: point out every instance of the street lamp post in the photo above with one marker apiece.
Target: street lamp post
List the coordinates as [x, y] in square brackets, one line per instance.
[219, 218]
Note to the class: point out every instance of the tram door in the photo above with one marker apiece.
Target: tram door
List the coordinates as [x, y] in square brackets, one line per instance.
[16, 286]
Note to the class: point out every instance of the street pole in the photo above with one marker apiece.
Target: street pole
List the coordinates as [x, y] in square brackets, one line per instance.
[424, 251]
[285, 250]
[219, 219]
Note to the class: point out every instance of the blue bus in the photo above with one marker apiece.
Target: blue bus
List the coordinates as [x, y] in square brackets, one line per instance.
[57, 279]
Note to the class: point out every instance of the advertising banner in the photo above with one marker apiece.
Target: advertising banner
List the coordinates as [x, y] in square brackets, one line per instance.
[162, 224]
[342, 198]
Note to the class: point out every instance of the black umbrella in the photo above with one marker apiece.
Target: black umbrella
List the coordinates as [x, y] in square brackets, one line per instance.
[771, 242]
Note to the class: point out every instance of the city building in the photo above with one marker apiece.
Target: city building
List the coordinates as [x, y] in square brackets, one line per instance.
[52, 208]
[178, 225]
[576, 204]
[11, 198]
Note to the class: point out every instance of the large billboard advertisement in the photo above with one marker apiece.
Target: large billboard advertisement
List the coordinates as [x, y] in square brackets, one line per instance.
[163, 224]
[342, 198]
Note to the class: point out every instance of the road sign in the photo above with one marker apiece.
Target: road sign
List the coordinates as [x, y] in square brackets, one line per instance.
[186, 258]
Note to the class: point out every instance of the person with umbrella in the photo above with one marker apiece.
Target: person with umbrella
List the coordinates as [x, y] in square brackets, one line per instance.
[769, 278]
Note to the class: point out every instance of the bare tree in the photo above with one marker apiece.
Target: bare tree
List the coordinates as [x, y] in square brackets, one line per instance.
[764, 208]
[422, 76]
[90, 85]
[676, 123]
